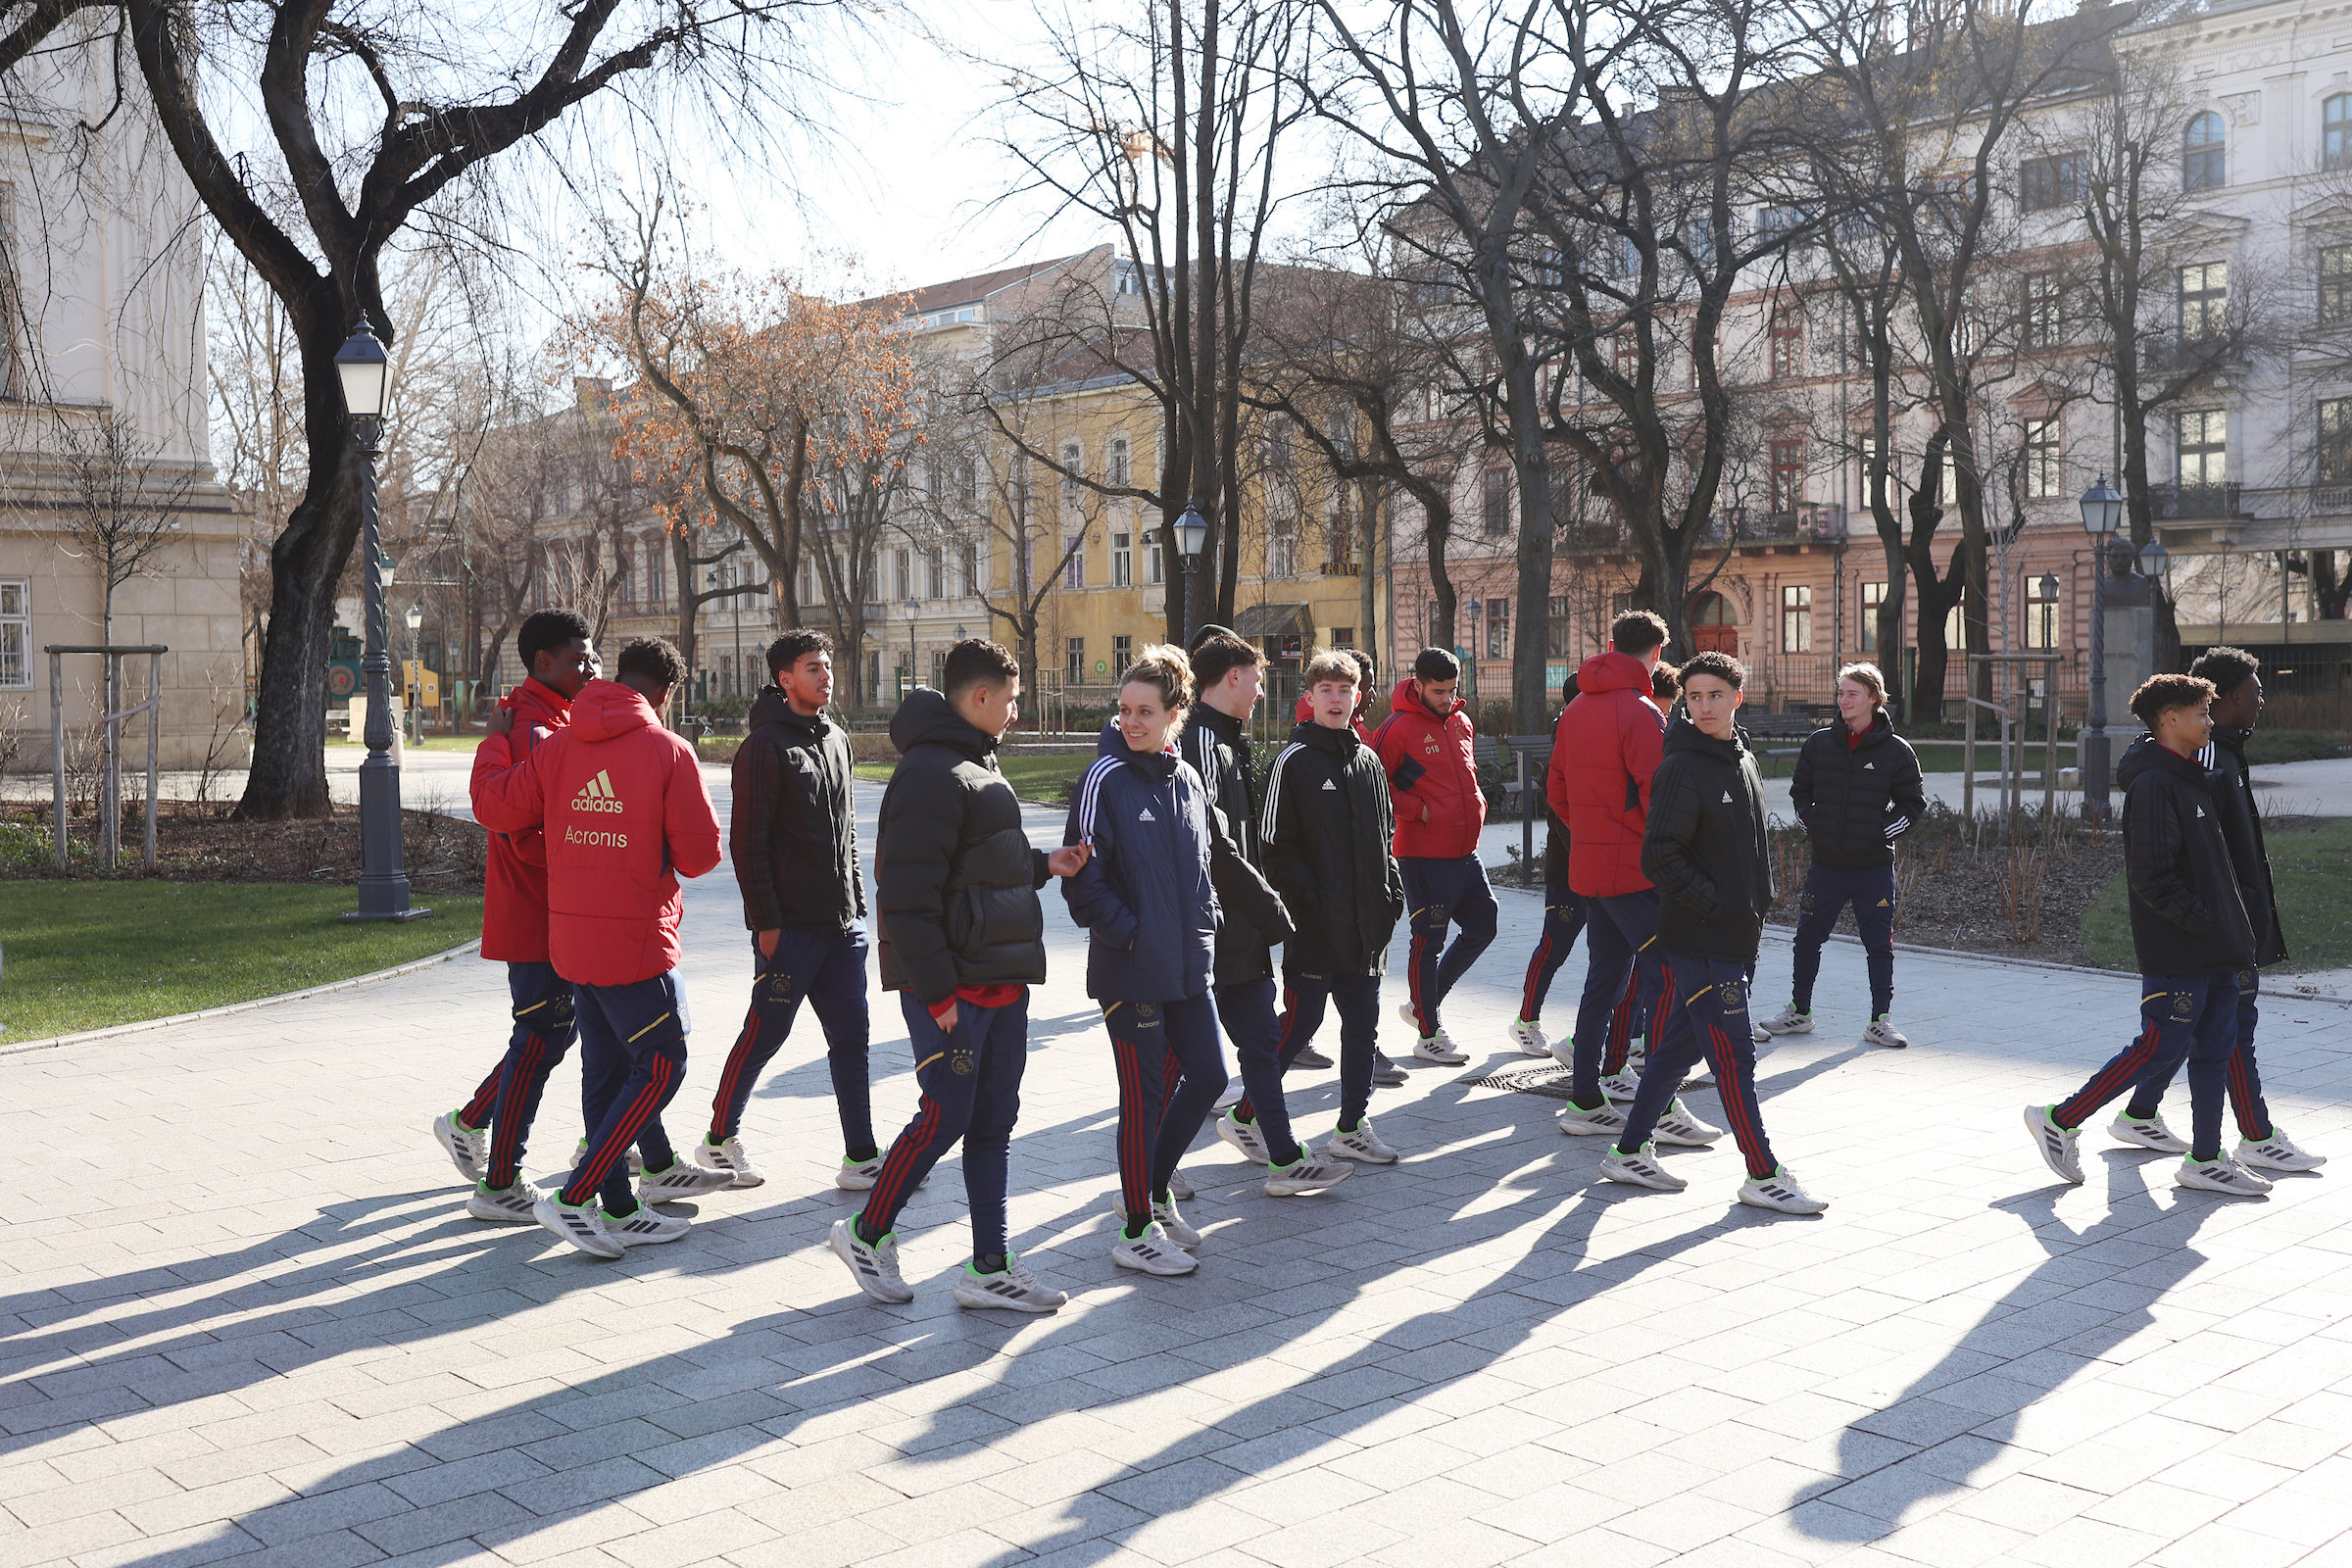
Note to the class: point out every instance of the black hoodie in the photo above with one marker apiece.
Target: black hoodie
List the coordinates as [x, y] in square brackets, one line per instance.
[793, 831]
[1325, 831]
[2241, 826]
[955, 879]
[1219, 748]
[1856, 800]
[2187, 916]
[1704, 846]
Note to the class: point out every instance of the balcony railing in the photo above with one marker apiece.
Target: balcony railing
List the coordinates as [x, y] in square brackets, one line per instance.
[2180, 503]
[1810, 519]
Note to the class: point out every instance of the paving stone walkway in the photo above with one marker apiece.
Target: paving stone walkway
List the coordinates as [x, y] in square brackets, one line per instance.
[244, 1318]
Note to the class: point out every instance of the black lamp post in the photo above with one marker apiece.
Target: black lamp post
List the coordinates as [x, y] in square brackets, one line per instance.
[908, 613]
[2102, 514]
[1192, 532]
[367, 376]
[413, 687]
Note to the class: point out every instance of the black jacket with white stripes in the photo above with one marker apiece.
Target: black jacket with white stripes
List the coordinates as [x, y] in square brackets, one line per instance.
[1219, 748]
[1856, 797]
[1324, 833]
[2187, 916]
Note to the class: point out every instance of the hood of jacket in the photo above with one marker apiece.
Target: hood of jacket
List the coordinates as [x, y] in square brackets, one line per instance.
[925, 718]
[771, 707]
[2140, 755]
[1341, 743]
[1684, 736]
[1881, 728]
[1113, 742]
[537, 703]
[1407, 697]
[605, 710]
[2231, 739]
[1612, 671]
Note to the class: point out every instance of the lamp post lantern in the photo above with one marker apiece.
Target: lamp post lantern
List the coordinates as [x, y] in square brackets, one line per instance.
[413, 683]
[365, 374]
[2102, 514]
[908, 611]
[1192, 532]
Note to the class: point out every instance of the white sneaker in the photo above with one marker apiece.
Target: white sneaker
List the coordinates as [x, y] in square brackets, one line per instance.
[2221, 1176]
[1641, 1169]
[1151, 1253]
[1779, 1191]
[2057, 1146]
[1245, 1138]
[1788, 1021]
[1404, 1010]
[1170, 1220]
[2149, 1134]
[1563, 1051]
[2277, 1152]
[858, 1175]
[580, 1152]
[1529, 1038]
[1235, 1093]
[503, 1205]
[1758, 1034]
[1306, 1174]
[683, 1179]
[874, 1267]
[468, 1147]
[1180, 1189]
[729, 1158]
[645, 1227]
[583, 1226]
[1882, 1032]
[1604, 1118]
[1441, 1049]
[1620, 1088]
[1016, 1288]
[1677, 1126]
[1386, 1073]
[1364, 1145]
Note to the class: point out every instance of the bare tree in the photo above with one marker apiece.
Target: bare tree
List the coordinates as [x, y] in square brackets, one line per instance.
[122, 501]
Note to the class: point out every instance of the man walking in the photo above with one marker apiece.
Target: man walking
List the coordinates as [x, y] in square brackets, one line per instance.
[1426, 749]
[1228, 677]
[1704, 847]
[485, 1136]
[962, 939]
[626, 814]
[794, 837]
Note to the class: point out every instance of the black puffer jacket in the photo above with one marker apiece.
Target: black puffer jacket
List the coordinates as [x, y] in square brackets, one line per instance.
[955, 878]
[2186, 915]
[793, 832]
[1704, 846]
[1856, 800]
[2224, 763]
[1219, 748]
[1325, 832]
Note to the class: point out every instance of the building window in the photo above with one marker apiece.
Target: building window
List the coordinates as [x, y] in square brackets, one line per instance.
[1122, 654]
[2335, 285]
[1342, 636]
[2042, 612]
[2204, 301]
[1073, 555]
[811, 585]
[967, 482]
[2335, 444]
[970, 567]
[1874, 594]
[1788, 343]
[2044, 311]
[1282, 547]
[1073, 459]
[2336, 131]
[1787, 474]
[2050, 182]
[656, 590]
[1558, 628]
[1073, 661]
[2042, 458]
[1498, 628]
[1120, 467]
[1122, 561]
[1153, 567]
[15, 633]
[901, 572]
[1494, 501]
[2202, 440]
[938, 670]
[2204, 153]
[1796, 619]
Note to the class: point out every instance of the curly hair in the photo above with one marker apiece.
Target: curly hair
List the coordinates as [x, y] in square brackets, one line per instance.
[794, 646]
[654, 660]
[2227, 668]
[2159, 695]
[1723, 666]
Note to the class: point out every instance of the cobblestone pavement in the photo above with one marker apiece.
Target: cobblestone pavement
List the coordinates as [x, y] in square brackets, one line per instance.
[246, 1319]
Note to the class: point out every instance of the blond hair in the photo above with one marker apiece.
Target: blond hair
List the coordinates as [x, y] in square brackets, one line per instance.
[1333, 663]
[1163, 667]
[1869, 678]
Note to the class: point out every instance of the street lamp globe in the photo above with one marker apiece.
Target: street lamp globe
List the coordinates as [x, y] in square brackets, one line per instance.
[2102, 509]
[365, 372]
[2153, 558]
[1191, 531]
[415, 618]
[2048, 585]
[911, 609]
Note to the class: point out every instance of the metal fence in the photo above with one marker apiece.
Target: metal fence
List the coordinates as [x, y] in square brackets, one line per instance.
[1784, 683]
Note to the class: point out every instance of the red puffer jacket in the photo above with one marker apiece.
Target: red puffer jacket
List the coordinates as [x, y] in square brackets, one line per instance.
[515, 891]
[625, 814]
[1603, 753]
[1429, 763]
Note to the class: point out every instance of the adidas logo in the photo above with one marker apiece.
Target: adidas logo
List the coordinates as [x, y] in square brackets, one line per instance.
[2200, 811]
[1868, 767]
[597, 795]
[1146, 817]
[1329, 785]
[1727, 797]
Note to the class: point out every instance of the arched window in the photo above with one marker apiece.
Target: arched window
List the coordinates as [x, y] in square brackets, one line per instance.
[1714, 629]
[2336, 131]
[2205, 153]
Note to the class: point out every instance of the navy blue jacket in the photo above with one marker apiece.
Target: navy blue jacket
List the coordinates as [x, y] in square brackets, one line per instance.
[1147, 896]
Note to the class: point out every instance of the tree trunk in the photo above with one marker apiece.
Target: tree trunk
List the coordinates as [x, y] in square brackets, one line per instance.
[289, 777]
[1437, 526]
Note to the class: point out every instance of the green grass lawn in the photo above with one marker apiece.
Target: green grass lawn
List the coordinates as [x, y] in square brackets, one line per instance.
[2307, 861]
[1033, 778]
[89, 954]
[431, 743]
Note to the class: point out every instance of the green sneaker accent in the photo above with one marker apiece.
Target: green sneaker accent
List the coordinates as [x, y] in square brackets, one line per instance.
[676, 1159]
[1292, 1165]
[459, 1122]
[485, 1187]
